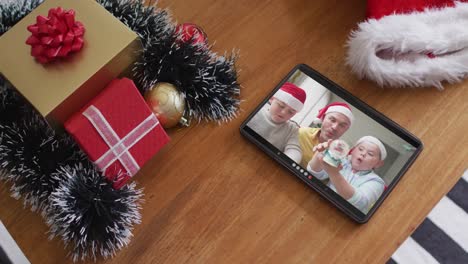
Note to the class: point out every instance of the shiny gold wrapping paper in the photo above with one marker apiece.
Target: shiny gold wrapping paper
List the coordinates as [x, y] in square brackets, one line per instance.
[59, 89]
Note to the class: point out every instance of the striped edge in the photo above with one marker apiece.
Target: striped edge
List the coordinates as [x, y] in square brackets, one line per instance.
[443, 236]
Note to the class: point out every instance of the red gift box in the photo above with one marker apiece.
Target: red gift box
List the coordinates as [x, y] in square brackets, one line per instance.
[118, 131]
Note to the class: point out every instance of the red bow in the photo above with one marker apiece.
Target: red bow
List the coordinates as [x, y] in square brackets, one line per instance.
[56, 35]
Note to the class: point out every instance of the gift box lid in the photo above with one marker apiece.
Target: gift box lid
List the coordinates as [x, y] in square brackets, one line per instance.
[47, 86]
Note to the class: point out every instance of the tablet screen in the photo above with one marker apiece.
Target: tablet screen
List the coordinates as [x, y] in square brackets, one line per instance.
[332, 141]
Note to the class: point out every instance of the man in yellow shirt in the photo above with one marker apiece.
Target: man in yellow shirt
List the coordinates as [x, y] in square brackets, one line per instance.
[336, 119]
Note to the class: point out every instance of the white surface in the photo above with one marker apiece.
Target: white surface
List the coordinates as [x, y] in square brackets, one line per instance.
[411, 252]
[8, 244]
[452, 219]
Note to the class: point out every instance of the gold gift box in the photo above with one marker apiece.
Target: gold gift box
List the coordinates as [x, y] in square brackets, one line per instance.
[61, 88]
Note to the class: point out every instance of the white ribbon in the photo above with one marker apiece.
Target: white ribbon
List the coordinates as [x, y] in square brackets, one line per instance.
[118, 148]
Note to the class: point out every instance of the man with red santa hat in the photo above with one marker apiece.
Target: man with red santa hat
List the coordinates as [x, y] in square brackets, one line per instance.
[336, 118]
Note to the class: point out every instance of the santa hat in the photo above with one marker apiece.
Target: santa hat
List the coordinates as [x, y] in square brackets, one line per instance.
[336, 107]
[376, 141]
[411, 42]
[291, 95]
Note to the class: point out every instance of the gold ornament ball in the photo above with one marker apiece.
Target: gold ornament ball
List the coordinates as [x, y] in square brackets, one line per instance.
[166, 103]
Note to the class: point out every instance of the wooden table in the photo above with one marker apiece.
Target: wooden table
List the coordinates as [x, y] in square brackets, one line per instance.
[213, 197]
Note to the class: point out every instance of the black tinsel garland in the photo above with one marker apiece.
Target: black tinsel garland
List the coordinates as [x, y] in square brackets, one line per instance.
[51, 174]
[12, 106]
[13, 11]
[208, 82]
[88, 213]
[148, 22]
[31, 152]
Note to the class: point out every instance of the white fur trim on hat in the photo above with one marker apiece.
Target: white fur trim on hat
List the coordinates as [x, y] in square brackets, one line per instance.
[376, 141]
[290, 100]
[342, 110]
[441, 32]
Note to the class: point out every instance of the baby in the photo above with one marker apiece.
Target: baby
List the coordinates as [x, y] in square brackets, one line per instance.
[273, 122]
[355, 180]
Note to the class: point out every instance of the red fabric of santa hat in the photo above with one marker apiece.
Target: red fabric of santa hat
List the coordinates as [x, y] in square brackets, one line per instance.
[411, 43]
[335, 107]
[291, 95]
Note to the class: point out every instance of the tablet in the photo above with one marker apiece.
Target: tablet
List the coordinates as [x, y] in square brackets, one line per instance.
[335, 143]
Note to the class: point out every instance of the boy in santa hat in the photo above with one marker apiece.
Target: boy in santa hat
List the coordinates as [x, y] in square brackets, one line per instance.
[336, 118]
[273, 122]
[355, 179]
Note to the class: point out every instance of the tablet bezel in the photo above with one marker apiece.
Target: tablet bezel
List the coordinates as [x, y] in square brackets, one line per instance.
[314, 183]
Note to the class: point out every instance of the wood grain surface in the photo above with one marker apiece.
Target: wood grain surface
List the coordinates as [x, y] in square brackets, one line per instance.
[213, 197]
